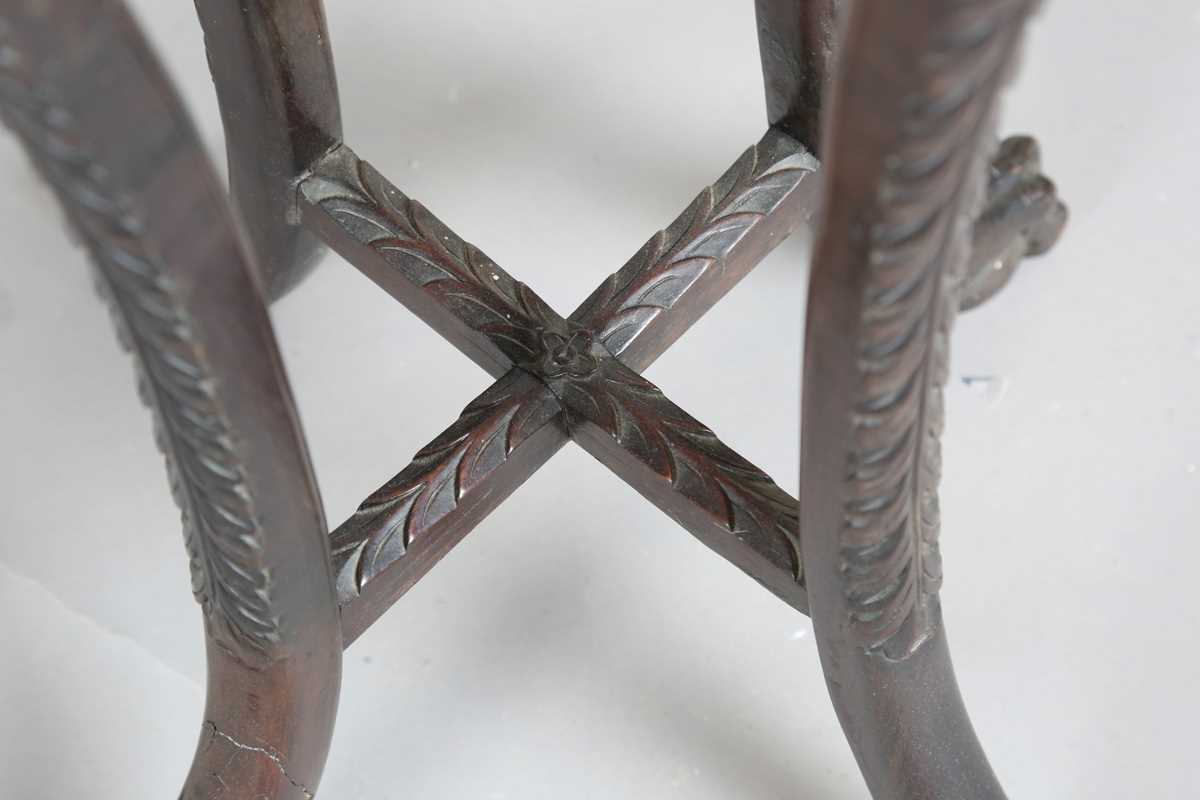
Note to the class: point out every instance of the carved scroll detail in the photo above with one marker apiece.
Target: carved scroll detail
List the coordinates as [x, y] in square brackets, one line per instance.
[1023, 217]
[699, 241]
[918, 248]
[222, 532]
[408, 523]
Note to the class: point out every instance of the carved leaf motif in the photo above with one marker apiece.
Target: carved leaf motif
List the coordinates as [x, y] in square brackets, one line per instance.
[440, 476]
[919, 239]
[733, 492]
[221, 530]
[425, 251]
[702, 237]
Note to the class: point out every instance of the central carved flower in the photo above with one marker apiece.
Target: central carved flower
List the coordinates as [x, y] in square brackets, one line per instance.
[567, 356]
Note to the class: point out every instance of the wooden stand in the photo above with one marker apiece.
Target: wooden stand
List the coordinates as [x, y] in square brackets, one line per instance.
[922, 213]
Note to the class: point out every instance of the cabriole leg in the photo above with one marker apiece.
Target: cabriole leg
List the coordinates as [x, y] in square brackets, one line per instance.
[910, 115]
[147, 205]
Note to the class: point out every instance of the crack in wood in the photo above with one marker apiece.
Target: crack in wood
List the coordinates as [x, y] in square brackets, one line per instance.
[267, 753]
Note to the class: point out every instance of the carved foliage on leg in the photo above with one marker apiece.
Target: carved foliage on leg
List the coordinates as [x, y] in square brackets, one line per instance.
[918, 239]
[221, 528]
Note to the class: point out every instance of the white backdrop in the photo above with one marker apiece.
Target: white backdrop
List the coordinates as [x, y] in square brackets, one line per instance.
[578, 644]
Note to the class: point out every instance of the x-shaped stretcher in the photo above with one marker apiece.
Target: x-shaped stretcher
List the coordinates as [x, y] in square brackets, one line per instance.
[579, 377]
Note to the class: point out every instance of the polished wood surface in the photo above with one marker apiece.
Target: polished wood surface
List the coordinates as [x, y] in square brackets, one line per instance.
[147, 205]
[910, 113]
[920, 212]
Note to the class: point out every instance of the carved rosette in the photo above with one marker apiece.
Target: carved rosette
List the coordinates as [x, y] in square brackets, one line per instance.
[222, 532]
[919, 237]
[565, 355]
[573, 361]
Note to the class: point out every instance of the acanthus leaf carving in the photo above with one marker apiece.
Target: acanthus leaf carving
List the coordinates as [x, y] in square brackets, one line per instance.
[439, 478]
[698, 241]
[230, 577]
[427, 253]
[730, 491]
[919, 242]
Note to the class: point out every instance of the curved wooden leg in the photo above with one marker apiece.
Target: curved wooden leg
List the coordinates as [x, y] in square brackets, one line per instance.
[796, 41]
[911, 108]
[266, 729]
[1022, 216]
[273, 71]
[147, 205]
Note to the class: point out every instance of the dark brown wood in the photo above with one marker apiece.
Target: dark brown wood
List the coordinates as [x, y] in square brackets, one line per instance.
[402, 530]
[273, 72]
[685, 269]
[797, 40]
[1023, 217]
[910, 235]
[681, 466]
[514, 427]
[147, 205]
[413, 256]
[909, 117]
